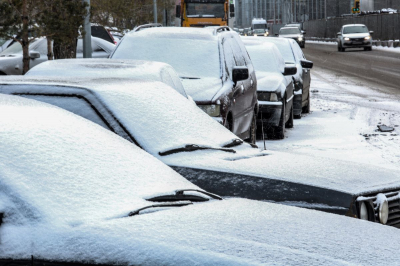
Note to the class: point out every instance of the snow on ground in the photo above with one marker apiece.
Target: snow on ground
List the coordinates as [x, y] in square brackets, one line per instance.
[343, 123]
[387, 49]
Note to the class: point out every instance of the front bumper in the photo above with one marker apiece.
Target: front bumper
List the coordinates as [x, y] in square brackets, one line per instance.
[357, 43]
[270, 113]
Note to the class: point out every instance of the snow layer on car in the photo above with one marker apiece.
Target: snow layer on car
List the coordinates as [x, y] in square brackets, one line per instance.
[47, 149]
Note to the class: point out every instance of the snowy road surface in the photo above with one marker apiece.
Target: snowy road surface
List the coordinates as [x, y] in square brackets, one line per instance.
[345, 113]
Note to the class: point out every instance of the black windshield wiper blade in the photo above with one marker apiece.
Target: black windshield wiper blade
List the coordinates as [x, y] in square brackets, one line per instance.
[189, 78]
[136, 212]
[233, 143]
[193, 147]
[180, 196]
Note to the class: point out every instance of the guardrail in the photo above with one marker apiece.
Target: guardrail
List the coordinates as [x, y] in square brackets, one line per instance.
[385, 26]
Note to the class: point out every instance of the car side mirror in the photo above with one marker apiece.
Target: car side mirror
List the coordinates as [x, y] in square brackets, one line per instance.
[239, 73]
[277, 34]
[34, 55]
[178, 11]
[371, 32]
[289, 71]
[303, 32]
[306, 63]
[339, 33]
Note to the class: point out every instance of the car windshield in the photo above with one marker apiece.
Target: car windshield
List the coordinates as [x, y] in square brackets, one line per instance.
[2, 41]
[16, 48]
[259, 26]
[355, 29]
[284, 31]
[284, 48]
[263, 59]
[259, 30]
[195, 58]
[205, 10]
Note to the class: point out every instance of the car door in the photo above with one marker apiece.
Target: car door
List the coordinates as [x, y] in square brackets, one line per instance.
[306, 73]
[238, 107]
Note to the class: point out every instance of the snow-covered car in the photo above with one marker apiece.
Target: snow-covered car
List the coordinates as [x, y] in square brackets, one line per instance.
[293, 33]
[11, 58]
[110, 68]
[169, 127]
[213, 64]
[354, 36]
[73, 193]
[292, 54]
[275, 88]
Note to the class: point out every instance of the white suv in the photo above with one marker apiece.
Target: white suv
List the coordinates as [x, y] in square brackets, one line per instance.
[354, 36]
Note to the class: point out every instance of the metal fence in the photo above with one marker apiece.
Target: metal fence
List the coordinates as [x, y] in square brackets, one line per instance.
[385, 26]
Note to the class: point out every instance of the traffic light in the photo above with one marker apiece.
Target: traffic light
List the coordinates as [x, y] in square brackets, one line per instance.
[356, 8]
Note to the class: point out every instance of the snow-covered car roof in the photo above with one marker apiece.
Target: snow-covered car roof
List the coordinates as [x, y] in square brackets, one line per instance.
[67, 186]
[176, 32]
[349, 25]
[110, 68]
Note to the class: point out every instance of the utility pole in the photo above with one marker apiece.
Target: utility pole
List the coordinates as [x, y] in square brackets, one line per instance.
[155, 10]
[87, 38]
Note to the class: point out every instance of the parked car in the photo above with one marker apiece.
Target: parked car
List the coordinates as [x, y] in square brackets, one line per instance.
[101, 32]
[4, 44]
[74, 194]
[274, 88]
[292, 54]
[113, 68]
[213, 64]
[293, 33]
[11, 58]
[169, 127]
[354, 36]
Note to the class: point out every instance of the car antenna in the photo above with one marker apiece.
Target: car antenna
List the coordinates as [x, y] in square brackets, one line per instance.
[262, 131]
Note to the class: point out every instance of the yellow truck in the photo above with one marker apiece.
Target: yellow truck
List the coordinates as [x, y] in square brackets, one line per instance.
[202, 13]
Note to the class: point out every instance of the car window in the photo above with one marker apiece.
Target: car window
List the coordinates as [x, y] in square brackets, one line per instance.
[355, 29]
[297, 51]
[75, 104]
[237, 53]
[289, 31]
[263, 58]
[39, 46]
[228, 55]
[284, 48]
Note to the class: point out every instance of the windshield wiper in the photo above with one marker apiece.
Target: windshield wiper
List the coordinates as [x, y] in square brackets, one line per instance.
[136, 212]
[189, 78]
[179, 195]
[233, 143]
[193, 147]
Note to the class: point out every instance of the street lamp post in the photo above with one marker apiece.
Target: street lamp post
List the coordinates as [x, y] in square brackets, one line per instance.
[155, 10]
[87, 38]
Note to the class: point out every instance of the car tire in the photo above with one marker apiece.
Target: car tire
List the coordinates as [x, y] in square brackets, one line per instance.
[367, 48]
[253, 131]
[279, 131]
[289, 123]
[297, 116]
[306, 109]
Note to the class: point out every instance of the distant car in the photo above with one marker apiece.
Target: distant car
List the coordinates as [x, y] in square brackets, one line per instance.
[213, 64]
[99, 31]
[292, 54]
[298, 25]
[168, 126]
[95, 68]
[293, 33]
[73, 193]
[354, 36]
[275, 88]
[11, 58]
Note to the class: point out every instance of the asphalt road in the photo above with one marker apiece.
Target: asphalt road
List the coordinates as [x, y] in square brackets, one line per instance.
[374, 68]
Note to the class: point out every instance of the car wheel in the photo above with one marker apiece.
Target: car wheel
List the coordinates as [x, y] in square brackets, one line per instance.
[367, 48]
[306, 109]
[289, 123]
[253, 131]
[229, 123]
[279, 131]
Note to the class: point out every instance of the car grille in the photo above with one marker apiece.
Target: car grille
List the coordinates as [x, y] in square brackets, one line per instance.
[357, 39]
[393, 198]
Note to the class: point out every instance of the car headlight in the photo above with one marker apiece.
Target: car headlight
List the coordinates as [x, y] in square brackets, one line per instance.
[212, 109]
[383, 210]
[347, 39]
[300, 38]
[363, 211]
[367, 38]
[266, 34]
[255, 35]
[267, 96]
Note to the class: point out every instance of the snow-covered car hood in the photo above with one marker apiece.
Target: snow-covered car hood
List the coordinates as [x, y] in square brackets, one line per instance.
[202, 89]
[339, 175]
[269, 81]
[228, 232]
[356, 35]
